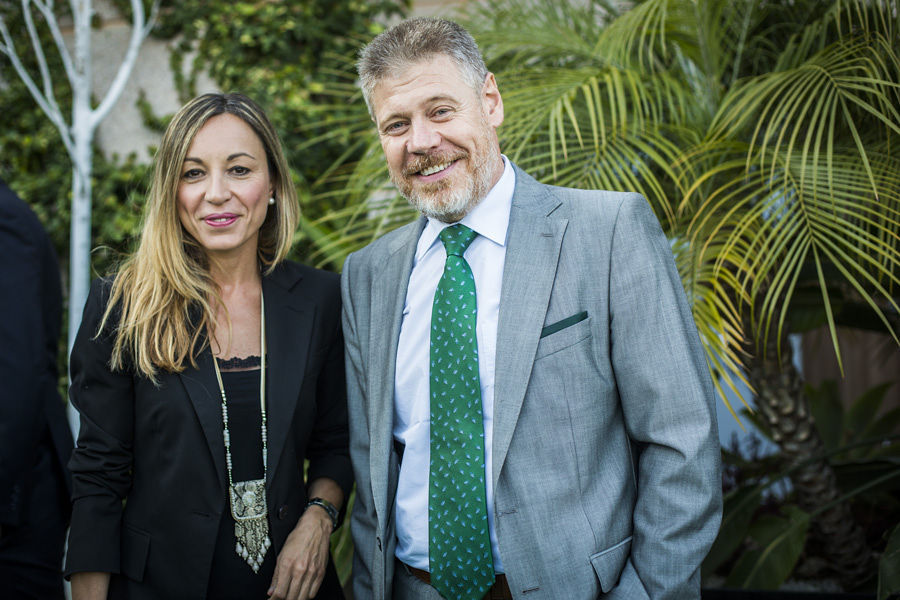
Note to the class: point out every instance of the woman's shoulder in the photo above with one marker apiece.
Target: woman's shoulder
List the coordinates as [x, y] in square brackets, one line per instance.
[103, 285]
[290, 272]
[321, 288]
[95, 307]
[99, 293]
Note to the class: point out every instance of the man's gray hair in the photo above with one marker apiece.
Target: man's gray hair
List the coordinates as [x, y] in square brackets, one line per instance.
[416, 40]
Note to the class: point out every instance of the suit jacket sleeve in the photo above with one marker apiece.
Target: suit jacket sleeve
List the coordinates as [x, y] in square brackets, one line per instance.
[668, 404]
[327, 450]
[102, 461]
[363, 518]
[22, 349]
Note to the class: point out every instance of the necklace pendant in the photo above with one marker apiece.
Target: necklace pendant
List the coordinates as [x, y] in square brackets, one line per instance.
[251, 524]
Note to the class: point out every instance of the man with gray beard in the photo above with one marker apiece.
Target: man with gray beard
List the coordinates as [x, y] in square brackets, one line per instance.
[531, 412]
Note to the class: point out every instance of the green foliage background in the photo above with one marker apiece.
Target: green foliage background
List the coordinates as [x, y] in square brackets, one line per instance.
[288, 56]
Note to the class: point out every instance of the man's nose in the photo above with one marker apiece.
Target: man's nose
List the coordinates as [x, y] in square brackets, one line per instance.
[423, 136]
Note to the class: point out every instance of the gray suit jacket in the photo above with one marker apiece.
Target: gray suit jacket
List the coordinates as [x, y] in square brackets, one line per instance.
[605, 456]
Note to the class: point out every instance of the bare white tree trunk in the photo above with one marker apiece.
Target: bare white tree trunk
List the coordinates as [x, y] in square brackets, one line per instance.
[77, 136]
[79, 246]
[82, 137]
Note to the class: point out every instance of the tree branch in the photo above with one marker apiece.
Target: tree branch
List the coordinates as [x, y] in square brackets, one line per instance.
[39, 54]
[139, 31]
[151, 20]
[51, 110]
[46, 9]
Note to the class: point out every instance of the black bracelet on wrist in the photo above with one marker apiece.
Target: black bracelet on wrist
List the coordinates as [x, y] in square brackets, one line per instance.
[329, 508]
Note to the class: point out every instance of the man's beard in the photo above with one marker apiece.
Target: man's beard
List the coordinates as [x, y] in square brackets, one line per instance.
[441, 199]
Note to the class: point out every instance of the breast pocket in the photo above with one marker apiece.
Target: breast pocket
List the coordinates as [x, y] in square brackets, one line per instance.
[560, 339]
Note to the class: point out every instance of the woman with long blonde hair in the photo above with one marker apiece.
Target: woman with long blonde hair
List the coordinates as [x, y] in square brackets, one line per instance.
[206, 372]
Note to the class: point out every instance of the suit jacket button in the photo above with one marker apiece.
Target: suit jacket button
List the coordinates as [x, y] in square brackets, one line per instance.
[282, 512]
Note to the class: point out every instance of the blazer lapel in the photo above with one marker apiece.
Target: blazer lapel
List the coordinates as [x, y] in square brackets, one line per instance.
[389, 297]
[532, 254]
[289, 327]
[203, 390]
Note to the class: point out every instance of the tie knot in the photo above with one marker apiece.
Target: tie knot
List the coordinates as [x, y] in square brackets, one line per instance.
[457, 238]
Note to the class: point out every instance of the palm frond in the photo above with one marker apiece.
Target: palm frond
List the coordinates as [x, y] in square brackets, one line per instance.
[772, 224]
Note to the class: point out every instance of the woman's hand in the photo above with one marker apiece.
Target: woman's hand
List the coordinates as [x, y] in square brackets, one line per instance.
[300, 566]
[90, 586]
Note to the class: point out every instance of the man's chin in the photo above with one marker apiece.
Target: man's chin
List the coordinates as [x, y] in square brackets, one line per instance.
[445, 210]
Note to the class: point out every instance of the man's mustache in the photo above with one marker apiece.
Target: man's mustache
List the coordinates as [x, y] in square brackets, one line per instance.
[420, 162]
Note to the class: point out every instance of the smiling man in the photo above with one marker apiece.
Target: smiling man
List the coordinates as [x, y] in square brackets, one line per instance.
[531, 413]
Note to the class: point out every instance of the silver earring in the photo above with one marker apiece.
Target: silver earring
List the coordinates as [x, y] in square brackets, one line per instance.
[272, 201]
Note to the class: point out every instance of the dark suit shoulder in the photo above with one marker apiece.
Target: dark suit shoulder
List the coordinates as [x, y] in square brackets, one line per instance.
[305, 285]
[313, 282]
[295, 269]
[99, 293]
[92, 314]
[18, 221]
[11, 206]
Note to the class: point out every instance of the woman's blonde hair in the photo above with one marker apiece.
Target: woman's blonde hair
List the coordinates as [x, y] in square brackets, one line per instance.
[163, 294]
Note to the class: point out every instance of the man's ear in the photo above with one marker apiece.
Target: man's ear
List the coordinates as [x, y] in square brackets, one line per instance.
[491, 101]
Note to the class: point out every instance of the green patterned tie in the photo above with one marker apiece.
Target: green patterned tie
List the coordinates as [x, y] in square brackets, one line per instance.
[459, 547]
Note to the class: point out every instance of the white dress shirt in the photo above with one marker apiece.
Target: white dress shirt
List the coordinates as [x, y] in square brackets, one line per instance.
[412, 400]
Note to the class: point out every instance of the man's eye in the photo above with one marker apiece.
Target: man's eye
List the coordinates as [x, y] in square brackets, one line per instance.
[395, 127]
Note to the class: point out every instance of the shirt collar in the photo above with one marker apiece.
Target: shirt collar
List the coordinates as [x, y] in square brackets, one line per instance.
[489, 218]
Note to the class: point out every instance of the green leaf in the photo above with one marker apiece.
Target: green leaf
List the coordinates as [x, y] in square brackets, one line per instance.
[780, 541]
[737, 512]
[885, 425]
[861, 415]
[854, 475]
[889, 566]
[828, 412]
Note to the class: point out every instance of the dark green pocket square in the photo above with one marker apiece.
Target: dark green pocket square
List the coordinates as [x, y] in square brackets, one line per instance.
[567, 322]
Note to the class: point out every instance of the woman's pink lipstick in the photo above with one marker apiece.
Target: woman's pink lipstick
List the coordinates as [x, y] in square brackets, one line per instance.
[220, 220]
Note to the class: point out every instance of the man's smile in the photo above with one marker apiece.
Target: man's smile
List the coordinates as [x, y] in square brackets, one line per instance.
[434, 169]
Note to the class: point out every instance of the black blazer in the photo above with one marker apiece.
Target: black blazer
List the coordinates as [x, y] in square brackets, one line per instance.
[31, 409]
[161, 449]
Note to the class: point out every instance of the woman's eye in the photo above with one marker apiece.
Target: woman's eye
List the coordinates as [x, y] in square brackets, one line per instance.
[239, 170]
[192, 173]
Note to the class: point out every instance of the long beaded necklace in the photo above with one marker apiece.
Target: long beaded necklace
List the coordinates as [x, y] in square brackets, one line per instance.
[248, 498]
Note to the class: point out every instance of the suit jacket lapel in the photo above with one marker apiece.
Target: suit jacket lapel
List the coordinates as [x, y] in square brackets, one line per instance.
[532, 254]
[389, 297]
[203, 390]
[289, 327]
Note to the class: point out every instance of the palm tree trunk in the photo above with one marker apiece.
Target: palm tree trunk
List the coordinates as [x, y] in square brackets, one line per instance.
[780, 399]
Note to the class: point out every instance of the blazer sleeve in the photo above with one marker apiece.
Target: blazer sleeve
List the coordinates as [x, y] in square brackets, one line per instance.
[327, 451]
[102, 461]
[22, 350]
[668, 404]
